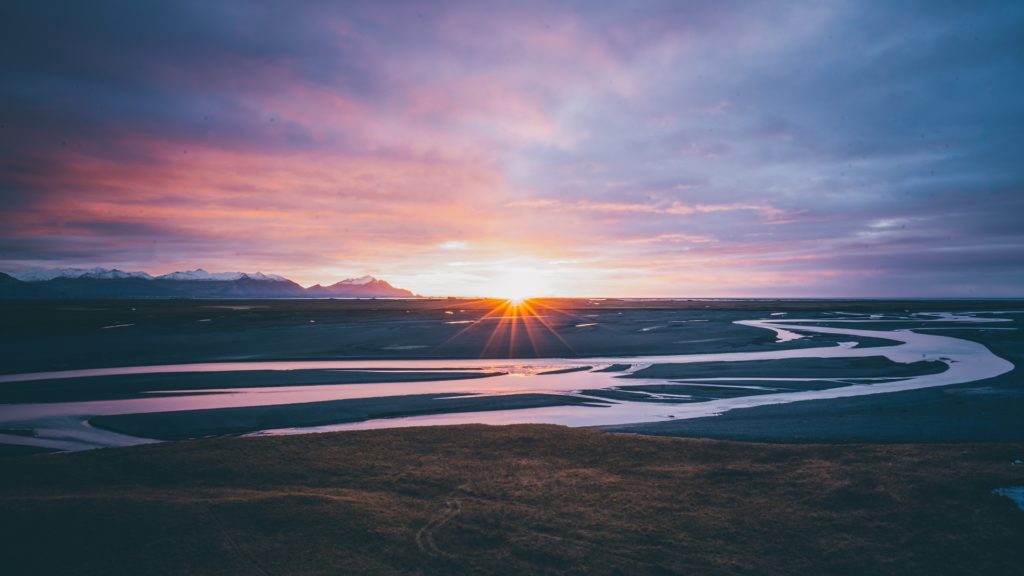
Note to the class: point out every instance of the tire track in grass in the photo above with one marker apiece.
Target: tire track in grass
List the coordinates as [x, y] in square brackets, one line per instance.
[425, 535]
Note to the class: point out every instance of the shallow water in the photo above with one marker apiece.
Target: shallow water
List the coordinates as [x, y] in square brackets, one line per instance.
[64, 425]
[1015, 493]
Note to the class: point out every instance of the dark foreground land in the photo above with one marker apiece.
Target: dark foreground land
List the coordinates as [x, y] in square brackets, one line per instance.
[72, 334]
[512, 500]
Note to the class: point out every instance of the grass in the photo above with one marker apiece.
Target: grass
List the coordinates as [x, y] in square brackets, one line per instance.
[512, 500]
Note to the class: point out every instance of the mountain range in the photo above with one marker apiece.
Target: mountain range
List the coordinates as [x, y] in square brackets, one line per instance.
[198, 283]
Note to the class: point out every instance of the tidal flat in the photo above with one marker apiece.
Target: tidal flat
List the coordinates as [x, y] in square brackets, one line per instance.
[66, 334]
[740, 369]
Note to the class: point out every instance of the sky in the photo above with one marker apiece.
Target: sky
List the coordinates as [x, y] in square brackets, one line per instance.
[647, 149]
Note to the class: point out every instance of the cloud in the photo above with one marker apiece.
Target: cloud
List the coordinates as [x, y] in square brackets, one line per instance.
[665, 148]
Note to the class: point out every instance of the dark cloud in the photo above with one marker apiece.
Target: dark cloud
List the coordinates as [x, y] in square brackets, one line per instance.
[879, 139]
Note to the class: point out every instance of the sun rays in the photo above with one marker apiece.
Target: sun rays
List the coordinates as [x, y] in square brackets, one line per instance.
[519, 327]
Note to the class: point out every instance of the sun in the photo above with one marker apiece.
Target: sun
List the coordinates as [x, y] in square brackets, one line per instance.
[522, 316]
[518, 285]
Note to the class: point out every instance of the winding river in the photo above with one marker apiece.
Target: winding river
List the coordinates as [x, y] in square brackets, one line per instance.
[64, 425]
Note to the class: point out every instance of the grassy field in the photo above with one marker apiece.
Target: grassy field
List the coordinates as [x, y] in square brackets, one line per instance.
[512, 500]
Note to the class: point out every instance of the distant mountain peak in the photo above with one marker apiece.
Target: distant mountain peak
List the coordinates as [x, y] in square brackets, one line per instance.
[361, 287]
[362, 280]
[267, 277]
[44, 274]
[197, 283]
[202, 275]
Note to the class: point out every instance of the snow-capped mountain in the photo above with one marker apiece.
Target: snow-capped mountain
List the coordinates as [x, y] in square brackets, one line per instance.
[44, 274]
[198, 283]
[364, 286]
[202, 275]
[356, 281]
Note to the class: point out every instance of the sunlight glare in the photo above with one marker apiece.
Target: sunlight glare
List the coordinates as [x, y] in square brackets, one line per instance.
[517, 285]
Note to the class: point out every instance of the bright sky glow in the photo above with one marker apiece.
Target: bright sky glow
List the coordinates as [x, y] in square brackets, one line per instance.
[522, 149]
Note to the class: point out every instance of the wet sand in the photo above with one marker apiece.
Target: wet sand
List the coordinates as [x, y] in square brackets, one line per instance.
[146, 385]
[661, 327]
[64, 335]
[986, 411]
[192, 424]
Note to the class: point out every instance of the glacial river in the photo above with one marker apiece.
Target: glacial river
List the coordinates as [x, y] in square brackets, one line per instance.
[64, 425]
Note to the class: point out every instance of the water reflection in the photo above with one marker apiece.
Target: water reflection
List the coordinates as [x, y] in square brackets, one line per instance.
[64, 425]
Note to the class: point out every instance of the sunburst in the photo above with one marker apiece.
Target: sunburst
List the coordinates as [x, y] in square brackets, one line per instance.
[522, 327]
